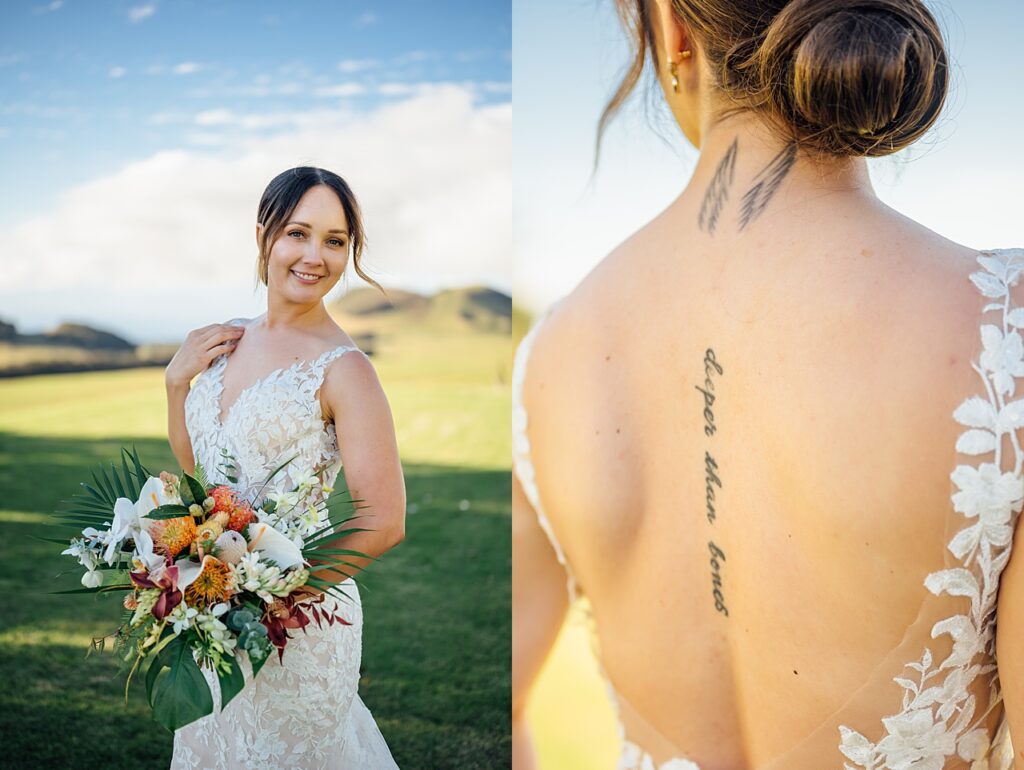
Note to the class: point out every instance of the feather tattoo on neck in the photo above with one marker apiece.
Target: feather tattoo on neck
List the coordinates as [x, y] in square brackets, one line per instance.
[766, 183]
[718, 191]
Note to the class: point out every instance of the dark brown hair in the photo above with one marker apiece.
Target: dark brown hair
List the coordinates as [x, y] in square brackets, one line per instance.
[282, 196]
[839, 77]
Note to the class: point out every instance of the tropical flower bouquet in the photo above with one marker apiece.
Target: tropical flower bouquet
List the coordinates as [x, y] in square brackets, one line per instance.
[207, 575]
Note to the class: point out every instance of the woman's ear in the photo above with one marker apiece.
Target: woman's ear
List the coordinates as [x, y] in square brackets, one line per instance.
[259, 234]
[674, 35]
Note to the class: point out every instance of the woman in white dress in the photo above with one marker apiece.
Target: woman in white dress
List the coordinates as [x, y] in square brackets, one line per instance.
[291, 382]
[773, 438]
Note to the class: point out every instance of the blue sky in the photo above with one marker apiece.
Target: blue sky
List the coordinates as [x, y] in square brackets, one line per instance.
[101, 99]
[962, 180]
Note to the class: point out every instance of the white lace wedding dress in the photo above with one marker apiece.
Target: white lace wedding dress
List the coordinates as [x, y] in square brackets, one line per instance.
[943, 677]
[307, 712]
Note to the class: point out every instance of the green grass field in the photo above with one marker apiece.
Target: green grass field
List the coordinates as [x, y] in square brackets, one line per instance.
[436, 641]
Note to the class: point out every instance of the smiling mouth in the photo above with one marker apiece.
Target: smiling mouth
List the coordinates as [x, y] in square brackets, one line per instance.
[306, 277]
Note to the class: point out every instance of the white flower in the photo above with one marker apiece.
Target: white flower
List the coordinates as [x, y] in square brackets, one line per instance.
[916, 741]
[274, 545]
[182, 617]
[92, 579]
[1003, 356]
[285, 500]
[87, 554]
[129, 521]
[304, 478]
[987, 492]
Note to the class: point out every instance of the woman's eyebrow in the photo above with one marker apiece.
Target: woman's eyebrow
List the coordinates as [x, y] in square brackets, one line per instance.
[306, 224]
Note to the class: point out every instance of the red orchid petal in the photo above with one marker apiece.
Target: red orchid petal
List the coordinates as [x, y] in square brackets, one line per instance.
[160, 610]
[141, 580]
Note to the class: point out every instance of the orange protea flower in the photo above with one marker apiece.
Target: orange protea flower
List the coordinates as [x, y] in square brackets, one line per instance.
[172, 536]
[213, 585]
[209, 531]
[223, 499]
[241, 517]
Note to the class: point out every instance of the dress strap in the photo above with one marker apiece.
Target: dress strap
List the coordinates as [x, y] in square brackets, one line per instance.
[522, 463]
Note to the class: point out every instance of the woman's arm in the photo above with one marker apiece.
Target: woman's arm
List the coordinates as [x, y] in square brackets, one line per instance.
[197, 351]
[539, 604]
[1010, 642]
[369, 456]
[177, 433]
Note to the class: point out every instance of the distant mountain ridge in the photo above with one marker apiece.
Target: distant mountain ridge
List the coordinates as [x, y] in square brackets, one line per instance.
[364, 313]
[478, 308]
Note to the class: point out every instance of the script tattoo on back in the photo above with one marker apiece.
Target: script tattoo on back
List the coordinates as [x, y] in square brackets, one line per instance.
[712, 476]
[718, 191]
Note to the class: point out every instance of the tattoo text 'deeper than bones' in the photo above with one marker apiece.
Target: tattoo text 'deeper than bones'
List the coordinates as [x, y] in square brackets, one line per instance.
[718, 191]
[711, 475]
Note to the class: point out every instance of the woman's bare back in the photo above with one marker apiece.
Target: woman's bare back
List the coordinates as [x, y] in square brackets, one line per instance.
[743, 442]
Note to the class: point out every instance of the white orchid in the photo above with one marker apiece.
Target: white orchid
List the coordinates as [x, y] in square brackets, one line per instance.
[129, 518]
[285, 501]
[304, 478]
[181, 617]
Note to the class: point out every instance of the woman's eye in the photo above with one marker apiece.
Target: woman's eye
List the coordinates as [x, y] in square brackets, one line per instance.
[295, 232]
[340, 243]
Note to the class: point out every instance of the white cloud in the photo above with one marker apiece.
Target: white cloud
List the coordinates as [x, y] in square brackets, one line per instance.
[366, 19]
[258, 121]
[117, 72]
[140, 12]
[357, 65]
[417, 56]
[341, 89]
[398, 89]
[186, 68]
[168, 242]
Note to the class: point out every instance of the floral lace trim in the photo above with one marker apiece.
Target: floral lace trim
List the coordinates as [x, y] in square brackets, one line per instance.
[938, 719]
[272, 419]
[521, 461]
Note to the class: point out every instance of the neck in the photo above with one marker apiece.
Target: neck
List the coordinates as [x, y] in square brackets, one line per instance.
[283, 314]
[746, 173]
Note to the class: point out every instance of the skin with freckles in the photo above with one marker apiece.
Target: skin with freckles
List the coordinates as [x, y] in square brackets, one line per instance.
[297, 327]
[843, 331]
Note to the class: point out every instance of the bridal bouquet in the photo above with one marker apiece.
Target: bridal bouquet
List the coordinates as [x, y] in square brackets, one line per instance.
[208, 576]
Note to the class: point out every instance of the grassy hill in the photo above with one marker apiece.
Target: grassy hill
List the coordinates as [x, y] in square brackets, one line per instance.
[437, 638]
[365, 313]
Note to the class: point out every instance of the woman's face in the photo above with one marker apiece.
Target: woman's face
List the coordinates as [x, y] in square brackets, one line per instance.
[311, 252]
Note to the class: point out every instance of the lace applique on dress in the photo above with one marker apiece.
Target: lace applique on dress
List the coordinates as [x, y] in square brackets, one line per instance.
[307, 712]
[938, 716]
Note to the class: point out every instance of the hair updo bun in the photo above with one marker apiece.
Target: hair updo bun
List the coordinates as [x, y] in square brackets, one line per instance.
[853, 77]
[841, 77]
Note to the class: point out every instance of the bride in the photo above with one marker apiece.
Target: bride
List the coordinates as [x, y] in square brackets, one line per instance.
[773, 438]
[291, 382]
